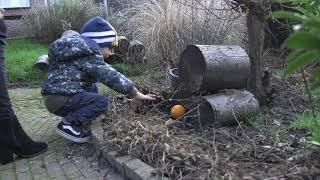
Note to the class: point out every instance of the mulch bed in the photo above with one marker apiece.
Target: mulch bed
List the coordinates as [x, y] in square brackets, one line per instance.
[265, 147]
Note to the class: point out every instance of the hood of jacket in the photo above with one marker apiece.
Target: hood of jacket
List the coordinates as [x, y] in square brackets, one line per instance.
[71, 47]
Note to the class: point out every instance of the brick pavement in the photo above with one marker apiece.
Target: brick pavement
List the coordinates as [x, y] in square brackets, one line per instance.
[63, 160]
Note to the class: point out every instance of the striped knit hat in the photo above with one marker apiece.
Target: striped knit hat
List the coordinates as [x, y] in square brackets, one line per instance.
[100, 31]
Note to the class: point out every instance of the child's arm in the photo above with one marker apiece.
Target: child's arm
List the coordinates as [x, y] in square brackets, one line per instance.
[107, 75]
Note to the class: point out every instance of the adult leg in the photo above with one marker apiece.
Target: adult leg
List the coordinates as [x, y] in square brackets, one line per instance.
[13, 138]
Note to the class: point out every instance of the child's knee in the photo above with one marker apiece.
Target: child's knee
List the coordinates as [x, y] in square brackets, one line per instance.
[103, 103]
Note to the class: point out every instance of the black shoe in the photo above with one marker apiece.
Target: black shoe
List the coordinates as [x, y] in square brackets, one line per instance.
[73, 133]
[31, 150]
[27, 151]
[14, 140]
[25, 147]
[6, 156]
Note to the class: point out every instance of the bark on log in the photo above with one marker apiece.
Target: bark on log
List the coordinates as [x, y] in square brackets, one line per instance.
[123, 46]
[136, 52]
[213, 67]
[114, 59]
[228, 107]
[42, 62]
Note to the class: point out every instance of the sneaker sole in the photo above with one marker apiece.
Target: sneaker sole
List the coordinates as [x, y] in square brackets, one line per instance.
[71, 138]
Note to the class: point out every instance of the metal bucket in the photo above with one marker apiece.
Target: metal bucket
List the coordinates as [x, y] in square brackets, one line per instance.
[174, 79]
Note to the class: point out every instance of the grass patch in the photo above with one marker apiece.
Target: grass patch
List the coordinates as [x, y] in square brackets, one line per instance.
[22, 53]
[20, 57]
[310, 122]
[130, 70]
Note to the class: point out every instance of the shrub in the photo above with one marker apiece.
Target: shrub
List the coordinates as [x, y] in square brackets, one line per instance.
[166, 27]
[48, 22]
[304, 43]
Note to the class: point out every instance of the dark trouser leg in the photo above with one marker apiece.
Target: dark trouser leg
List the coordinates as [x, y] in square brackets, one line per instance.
[12, 137]
[82, 108]
[6, 113]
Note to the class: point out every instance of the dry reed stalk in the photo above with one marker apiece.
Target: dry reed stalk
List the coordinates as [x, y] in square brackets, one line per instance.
[167, 27]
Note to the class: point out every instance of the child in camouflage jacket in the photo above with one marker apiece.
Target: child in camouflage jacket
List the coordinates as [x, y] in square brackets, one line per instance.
[76, 64]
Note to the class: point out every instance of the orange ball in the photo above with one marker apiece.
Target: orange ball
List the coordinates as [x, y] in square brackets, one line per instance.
[177, 111]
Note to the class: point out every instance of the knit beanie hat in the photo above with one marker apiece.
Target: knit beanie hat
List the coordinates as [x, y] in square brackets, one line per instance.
[100, 31]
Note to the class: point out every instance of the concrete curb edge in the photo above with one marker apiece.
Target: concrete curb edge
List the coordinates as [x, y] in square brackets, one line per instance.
[129, 167]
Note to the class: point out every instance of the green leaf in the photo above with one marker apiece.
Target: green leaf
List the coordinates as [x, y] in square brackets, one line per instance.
[316, 75]
[302, 10]
[302, 59]
[315, 143]
[302, 40]
[287, 15]
[313, 22]
[293, 55]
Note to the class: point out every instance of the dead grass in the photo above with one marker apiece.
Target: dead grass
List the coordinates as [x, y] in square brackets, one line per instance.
[49, 22]
[268, 149]
[166, 27]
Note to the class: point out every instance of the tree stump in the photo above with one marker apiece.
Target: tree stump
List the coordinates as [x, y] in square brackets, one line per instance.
[136, 52]
[213, 67]
[123, 46]
[114, 59]
[228, 107]
[42, 62]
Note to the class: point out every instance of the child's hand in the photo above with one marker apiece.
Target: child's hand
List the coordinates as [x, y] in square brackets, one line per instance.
[140, 96]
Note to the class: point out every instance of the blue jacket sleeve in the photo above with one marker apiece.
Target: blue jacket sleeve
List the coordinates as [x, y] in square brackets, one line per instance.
[105, 74]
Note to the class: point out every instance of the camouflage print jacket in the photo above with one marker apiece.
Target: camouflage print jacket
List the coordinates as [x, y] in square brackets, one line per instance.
[76, 64]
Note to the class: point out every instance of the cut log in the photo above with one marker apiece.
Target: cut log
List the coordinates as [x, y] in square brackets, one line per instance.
[213, 67]
[228, 107]
[114, 59]
[42, 62]
[123, 46]
[136, 52]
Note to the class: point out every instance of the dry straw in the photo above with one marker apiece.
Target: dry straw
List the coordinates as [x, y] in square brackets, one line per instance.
[166, 27]
[49, 22]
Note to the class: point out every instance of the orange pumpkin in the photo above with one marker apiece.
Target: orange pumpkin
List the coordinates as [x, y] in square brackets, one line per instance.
[177, 111]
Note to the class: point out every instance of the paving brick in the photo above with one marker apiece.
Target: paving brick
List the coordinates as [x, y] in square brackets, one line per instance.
[58, 176]
[54, 170]
[22, 165]
[137, 170]
[70, 169]
[6, 167]
[50, 158]
[24, 176]
[37, 167]
[87, 172]
[82, 163]
[111, 158]
[113, 177]
[92, 175]
[40, 177]
[119, 161]
[7, 175]
[56, 163]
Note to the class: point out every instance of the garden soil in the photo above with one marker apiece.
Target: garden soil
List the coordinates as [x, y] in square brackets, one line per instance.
[264, 147]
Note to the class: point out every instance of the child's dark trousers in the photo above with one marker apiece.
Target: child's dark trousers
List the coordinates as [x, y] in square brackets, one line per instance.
[82, 108]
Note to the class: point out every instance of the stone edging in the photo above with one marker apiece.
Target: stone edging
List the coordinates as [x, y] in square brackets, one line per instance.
[129, 167]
